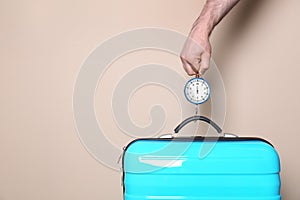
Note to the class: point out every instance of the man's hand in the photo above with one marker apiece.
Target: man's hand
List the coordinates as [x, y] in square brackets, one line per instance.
[196, 53]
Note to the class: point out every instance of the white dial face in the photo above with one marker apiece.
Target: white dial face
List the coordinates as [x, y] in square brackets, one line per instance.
[197, 91]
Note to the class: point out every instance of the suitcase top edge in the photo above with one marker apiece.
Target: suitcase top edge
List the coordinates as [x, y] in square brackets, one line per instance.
[201, 138]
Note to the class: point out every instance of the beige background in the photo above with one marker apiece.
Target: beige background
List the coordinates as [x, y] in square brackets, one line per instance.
[42, 46]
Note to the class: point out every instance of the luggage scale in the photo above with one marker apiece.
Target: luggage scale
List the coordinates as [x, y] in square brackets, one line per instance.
[197, 90]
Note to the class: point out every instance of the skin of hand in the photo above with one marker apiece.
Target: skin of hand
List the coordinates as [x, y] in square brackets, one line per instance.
[196, 53]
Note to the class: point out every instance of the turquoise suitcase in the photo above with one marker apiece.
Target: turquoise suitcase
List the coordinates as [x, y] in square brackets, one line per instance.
[231, 168]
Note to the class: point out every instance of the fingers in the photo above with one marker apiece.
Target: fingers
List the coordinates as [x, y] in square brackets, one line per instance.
[188, 67]
[197, 66]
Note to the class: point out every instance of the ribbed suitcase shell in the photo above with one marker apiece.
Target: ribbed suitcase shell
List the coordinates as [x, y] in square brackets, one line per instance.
[230, 169]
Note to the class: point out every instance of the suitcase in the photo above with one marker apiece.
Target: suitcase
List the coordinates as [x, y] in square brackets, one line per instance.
[235, 168]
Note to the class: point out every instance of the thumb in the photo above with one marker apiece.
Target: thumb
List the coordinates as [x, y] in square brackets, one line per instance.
[204, 65]
[187, 67]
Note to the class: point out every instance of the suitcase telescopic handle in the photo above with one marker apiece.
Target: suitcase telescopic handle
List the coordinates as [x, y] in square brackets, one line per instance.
[195, 118]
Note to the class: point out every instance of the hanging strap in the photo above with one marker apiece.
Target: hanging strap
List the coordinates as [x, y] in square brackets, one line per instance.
[196, 118]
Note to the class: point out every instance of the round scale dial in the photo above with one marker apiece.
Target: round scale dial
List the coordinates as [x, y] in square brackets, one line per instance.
[197, 90]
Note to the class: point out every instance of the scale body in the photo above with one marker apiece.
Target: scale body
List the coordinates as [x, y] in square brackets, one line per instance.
[197, 91]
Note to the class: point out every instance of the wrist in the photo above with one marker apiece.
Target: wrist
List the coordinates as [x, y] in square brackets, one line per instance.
[202, 28]
[200, 33]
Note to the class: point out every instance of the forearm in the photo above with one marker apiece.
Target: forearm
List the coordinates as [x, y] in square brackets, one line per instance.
[196, 53]
[212, 13]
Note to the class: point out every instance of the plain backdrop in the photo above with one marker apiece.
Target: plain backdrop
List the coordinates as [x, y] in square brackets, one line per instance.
[43, 44]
